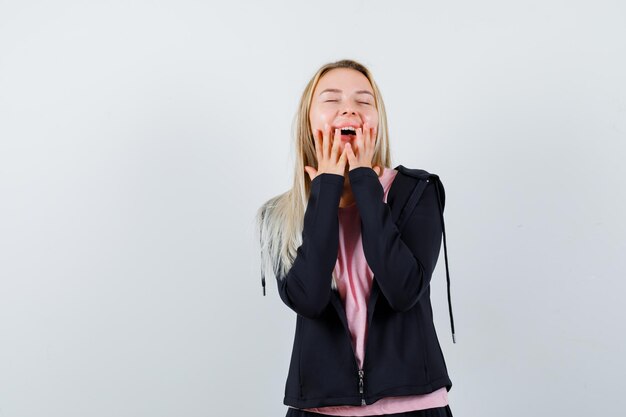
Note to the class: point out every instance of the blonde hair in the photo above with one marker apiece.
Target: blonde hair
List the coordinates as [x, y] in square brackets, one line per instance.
[280, 220]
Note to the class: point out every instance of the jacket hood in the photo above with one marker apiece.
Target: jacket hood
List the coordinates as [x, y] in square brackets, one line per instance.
[441, 199]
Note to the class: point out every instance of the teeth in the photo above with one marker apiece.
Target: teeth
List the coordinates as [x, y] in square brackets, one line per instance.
[349, 128]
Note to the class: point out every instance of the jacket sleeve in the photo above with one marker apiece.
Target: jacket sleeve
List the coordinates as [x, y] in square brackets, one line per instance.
[306, 288]
[402, 263]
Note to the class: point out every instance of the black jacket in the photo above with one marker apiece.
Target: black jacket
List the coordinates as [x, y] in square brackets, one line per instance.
[401, 243]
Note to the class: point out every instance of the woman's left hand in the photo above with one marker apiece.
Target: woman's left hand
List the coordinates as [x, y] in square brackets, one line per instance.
[365, 144]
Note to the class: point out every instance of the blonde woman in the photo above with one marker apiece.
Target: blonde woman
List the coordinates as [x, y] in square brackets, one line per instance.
[352, 247]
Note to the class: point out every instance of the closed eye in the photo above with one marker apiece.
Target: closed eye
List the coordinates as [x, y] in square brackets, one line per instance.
[361, 102]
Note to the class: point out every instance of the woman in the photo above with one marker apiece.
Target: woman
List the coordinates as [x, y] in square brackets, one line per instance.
[353, 246]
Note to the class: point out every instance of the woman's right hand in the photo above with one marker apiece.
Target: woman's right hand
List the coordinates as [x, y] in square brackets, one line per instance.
[331, 158]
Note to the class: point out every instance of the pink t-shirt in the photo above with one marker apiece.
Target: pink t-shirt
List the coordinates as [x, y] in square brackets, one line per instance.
[354, 284]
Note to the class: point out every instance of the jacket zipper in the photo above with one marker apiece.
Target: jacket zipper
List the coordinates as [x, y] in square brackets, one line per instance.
[361, 372]
[361, 375]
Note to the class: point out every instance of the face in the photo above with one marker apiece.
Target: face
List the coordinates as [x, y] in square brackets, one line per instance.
[343, 97]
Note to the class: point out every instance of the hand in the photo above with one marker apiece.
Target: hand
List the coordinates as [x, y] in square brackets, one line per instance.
[365, 144]
[331, 158]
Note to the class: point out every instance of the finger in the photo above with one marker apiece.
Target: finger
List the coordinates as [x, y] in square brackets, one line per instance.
[370, 139]
[325, 141]
[311, 171]
[336, 138]
[359, 142]
[366, 138]
[342, 158]
[318, 145]
[335, 147]
[351, 156]
[369, 142]
[374, 137]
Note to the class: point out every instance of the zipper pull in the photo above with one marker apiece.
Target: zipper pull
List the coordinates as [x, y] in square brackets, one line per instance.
[361, 372]
[360, 381]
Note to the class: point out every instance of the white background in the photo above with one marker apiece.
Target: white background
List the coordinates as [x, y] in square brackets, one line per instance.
[137, 140]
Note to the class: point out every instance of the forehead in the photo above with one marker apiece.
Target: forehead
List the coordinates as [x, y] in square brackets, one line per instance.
[345, 79]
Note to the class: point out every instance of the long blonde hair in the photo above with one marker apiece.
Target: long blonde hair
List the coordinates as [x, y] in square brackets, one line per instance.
[280, 220]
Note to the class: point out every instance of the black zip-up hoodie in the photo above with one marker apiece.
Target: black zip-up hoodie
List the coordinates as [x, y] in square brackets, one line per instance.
[401, 242]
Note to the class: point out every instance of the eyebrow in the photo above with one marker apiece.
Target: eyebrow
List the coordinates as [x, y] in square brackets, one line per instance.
[336, 90]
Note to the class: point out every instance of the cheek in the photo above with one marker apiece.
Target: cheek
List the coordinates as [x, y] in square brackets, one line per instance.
[371, 118]
[318, 119]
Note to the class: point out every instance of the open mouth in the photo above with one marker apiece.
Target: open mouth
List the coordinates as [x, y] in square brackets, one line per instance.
[348, 133]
